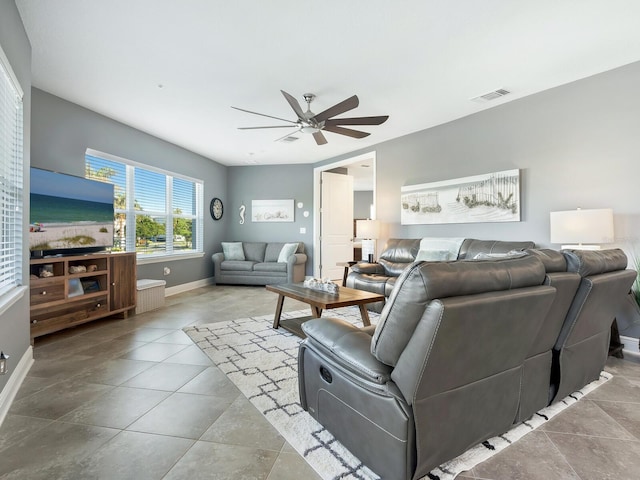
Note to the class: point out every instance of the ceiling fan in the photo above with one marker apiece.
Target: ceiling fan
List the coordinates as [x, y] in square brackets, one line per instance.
[309, 122]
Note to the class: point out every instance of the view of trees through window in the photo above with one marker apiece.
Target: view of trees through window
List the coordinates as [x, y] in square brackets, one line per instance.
[165, 210]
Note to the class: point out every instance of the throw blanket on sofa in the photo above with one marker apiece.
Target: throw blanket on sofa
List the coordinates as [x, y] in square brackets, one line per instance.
[439, 249]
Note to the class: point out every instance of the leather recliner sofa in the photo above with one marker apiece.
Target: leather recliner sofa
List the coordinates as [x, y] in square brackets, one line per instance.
[399, 253]
[441, 372]
[407, 398]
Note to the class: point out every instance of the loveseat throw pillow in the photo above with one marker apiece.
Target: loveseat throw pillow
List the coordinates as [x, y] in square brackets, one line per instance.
[288, 249]
[233, 250]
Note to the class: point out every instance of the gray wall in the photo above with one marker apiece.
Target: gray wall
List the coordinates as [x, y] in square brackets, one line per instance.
[14, 322]
[576, 145]
[62, 131]
[272, 182]
[362, 201]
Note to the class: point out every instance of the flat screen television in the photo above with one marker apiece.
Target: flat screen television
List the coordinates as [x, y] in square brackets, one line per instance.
[69, 214]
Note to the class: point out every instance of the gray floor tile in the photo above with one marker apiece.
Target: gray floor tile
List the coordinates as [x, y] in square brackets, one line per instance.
[626, 414]
[181, 415]
[111, 348]
[290, 466]
[63, 367]
[148, 334]
[134, 456]
[17, 427]
[192, 355]
[213, 461]
[243, 424]
[212, 382]
[115, 371]
[177, 337]
[50, 449]
[620, 389]
[31, 385]
[533, 457]
[165, 376]
[596, 458]
[59, 399]
[116, 409]
[586, 418]
[154, 352]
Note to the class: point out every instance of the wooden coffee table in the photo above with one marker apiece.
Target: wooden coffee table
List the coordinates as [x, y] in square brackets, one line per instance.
[319, 301]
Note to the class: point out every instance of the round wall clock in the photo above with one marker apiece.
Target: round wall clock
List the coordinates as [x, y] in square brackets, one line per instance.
[216, 208]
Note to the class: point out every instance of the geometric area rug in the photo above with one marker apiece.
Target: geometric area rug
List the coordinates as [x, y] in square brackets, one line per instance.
[263, 364]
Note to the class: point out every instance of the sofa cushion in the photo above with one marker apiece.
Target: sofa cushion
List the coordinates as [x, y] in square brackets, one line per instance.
[471, 247]
[270, 267]
[233, 250]
[273, 250]
[254, 251]
[439, 244]
[237, 265]
[287, 250]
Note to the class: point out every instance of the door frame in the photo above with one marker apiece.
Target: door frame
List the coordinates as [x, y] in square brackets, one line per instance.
[316, 199]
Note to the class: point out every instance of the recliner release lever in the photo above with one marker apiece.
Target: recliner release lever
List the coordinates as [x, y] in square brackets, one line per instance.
[326, 375]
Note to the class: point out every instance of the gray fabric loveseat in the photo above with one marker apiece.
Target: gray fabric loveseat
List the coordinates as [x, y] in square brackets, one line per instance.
[259, 263]
[399, 253]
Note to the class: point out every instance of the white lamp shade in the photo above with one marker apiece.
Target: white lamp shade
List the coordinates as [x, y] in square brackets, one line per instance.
[582, 226]
[369, 229]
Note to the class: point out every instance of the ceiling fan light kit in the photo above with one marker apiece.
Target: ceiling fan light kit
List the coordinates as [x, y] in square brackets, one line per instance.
[315, 124]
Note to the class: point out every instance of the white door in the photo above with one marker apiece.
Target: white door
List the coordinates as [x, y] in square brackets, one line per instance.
[336, 224]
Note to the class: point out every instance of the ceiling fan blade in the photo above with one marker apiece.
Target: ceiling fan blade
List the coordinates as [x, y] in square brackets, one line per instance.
[319, 138]
[357, 121]
[344, 106]
[346, 131]
[263, 115]
[294, 104]
[270, 126]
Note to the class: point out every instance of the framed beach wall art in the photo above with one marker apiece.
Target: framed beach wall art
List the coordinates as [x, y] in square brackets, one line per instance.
[272, 211]
[493, 197]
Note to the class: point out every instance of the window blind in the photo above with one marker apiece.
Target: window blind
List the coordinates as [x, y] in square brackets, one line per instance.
[11, 178]
[156, 212]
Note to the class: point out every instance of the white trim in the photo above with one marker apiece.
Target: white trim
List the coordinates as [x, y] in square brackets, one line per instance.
[12, 76]
[11, 297]
[167, 258]
[15, 381]
[185, 287]
[133, 163]
[316, 199]
[631, 346]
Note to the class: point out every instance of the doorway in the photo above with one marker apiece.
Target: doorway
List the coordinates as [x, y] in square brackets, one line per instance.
[363, 170]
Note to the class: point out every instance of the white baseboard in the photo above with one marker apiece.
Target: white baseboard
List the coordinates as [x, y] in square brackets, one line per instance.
[15, 381]
[630, 346]
[185, 287]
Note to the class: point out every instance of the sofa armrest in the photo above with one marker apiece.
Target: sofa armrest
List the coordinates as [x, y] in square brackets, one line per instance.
[370, 268]
[348, 346]
[217, 258]
[297, 258]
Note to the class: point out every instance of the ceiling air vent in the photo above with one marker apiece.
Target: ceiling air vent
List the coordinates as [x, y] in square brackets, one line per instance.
[290, 139]
[487, 97]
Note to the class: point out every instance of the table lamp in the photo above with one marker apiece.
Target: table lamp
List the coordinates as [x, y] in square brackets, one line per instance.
[369, 232]
[582, 229]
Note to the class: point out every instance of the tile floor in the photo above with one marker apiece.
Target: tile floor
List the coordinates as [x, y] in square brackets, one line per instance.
[135, 399]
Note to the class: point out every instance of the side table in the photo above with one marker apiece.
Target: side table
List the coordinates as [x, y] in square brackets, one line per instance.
[347, 266]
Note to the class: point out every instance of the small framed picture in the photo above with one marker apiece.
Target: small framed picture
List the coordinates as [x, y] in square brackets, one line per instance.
[90, 286]
[75, 287]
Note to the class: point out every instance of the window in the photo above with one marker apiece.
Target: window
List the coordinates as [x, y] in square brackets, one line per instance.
[11, 140]
[157, 213]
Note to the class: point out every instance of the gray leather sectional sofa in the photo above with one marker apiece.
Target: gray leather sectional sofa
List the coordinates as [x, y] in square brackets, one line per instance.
[398, 254]
[260, 265]
[462, 351]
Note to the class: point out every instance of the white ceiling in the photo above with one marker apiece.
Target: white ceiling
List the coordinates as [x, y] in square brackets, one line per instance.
[419, 61]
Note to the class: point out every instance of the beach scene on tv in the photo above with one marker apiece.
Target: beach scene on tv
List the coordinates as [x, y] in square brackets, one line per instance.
[69, 212]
